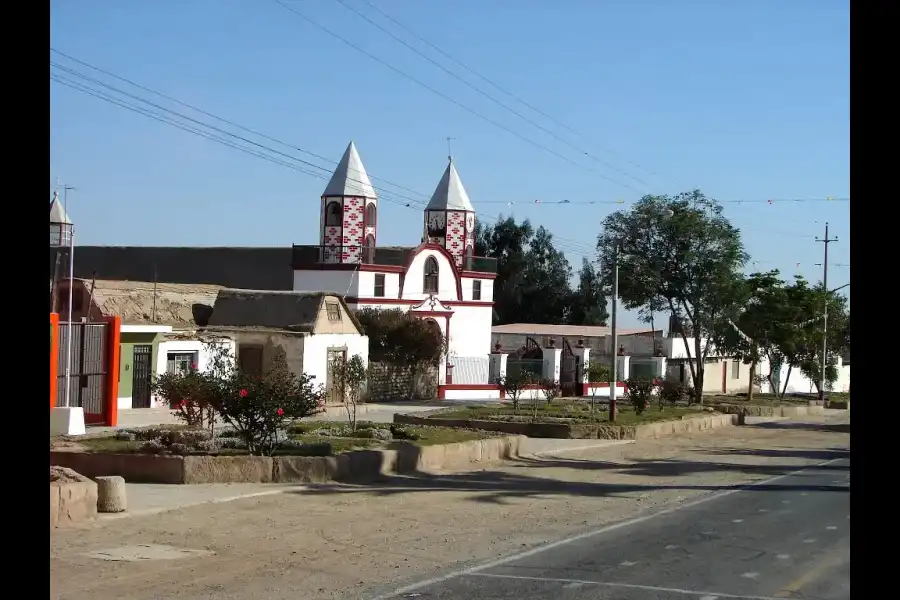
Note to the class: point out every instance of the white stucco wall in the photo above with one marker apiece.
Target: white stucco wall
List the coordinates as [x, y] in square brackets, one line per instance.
[452, 394]
[315, 351]
[366, 285]
[799, 383]
[487, 289]
[470, 330]
[414, 281]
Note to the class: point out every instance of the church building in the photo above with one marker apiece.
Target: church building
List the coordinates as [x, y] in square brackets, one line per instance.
[438, 279]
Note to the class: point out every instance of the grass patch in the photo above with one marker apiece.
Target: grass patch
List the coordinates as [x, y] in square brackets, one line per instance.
[313, 444]
[571, 412]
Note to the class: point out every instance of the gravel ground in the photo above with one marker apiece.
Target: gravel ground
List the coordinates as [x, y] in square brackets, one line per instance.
[341, 541]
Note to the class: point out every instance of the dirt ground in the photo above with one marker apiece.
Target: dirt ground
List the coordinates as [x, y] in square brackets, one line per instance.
[343, 541]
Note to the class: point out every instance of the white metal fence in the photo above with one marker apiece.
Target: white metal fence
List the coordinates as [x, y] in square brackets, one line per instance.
[470, 369]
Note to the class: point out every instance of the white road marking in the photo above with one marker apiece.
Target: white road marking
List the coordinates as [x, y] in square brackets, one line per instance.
[671, 547]
[831, 528]
[763, 510]
[809, 541]
[572, 586]
[625, 586]
[785, 501]
[783, 556]
[709, 598]
[598, 532]
[750, 575]
[737, 520]
[804, 493]
[627, 563]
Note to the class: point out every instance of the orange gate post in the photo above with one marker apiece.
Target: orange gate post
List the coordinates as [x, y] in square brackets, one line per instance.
[54, 357]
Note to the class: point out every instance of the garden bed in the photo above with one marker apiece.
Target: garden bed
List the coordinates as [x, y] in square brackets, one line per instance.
[573, 421]
[310, 452]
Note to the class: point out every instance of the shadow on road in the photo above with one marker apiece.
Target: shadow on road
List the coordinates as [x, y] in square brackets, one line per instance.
[822, 427]
[493, 486]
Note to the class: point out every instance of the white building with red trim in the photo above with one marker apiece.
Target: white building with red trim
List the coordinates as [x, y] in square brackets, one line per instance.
[439, 279]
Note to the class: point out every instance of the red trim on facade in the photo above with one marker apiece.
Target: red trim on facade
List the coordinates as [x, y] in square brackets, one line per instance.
[441, 250]
[411, 302]
[477, 275]
[111, 410]
[54, 358]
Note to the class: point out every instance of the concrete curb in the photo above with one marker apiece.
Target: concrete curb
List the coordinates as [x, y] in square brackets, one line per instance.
[566, 431]
[363, 465]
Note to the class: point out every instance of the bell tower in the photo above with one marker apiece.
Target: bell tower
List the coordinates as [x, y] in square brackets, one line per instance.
[450, 217]
[349, 213]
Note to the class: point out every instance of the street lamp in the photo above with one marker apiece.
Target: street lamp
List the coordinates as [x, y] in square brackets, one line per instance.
[66, 419]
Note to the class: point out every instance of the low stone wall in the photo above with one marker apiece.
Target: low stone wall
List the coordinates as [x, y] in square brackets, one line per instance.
[756, 410]
[578, 431]
[839, 405]
[72, 502]
[363, 465]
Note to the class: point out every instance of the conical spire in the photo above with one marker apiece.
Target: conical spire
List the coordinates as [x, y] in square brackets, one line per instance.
[58, 211]
[350, 177]
[450, 193]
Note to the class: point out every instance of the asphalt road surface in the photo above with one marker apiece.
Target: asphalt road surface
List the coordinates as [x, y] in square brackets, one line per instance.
[785, 538]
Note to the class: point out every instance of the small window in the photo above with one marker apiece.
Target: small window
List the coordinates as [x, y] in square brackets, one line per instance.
[333, 214]
[334, 311]
[250, 360]
[430, 283]
[476, 289]
[371, 215]
[379, 285]
[181, 362]
[735, 369]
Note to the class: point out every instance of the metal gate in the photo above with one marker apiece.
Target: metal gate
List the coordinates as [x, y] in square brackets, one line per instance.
[141, 376]
[87, 375]
[568, 372]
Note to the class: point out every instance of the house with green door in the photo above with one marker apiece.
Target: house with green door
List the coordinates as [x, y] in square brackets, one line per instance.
[161, 329]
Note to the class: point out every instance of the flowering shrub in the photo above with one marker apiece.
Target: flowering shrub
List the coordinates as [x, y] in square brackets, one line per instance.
[188, 394]
[639, 392]
[260, 408]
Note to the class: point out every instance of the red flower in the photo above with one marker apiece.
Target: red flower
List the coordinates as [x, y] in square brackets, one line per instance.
[279, 412]
[243, 393]
[193, 366]
[182, 404]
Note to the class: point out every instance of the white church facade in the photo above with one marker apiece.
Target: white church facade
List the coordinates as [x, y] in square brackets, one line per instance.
[438, 279]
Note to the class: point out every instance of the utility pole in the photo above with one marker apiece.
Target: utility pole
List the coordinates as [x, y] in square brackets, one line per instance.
[826, 240]
[615, 337]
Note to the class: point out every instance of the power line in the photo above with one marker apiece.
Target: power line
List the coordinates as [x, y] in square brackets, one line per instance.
[575, 247]
[497, 86]
[437, 92]
[218, 118]
[619, 201]
[493, 99]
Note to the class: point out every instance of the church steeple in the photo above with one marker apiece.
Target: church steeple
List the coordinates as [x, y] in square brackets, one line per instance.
[450, 217]
[349, 212]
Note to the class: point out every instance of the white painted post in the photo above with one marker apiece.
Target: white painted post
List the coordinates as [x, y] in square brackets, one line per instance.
[552, 363]
[623, 366]
[583, 355]
[659, 366]
[497, 365]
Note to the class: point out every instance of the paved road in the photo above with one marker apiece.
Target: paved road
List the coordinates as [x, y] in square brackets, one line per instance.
[786, 538]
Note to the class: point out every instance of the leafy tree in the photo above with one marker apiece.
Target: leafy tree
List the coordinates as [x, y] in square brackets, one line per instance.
[682, 253]
[532, 283]
[587, 303]
[350, 374]
[513, 385]
[399, 338]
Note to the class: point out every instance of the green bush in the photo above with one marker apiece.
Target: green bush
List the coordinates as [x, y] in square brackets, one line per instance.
[640, 392]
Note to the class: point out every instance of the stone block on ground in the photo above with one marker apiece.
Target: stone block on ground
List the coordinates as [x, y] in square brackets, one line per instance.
[77, 497]
[111, 494]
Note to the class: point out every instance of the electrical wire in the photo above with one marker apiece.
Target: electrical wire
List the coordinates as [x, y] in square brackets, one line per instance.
[531, 122]
[499, 88]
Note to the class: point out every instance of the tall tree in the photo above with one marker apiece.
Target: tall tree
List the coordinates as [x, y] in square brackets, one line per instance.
[680, 252]
[587, 303]
[545, 281]
[507, 242]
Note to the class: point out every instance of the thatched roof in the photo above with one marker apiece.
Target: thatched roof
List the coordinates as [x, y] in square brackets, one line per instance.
[142, 302]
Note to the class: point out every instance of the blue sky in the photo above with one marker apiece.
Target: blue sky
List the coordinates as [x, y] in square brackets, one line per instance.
[745, 100]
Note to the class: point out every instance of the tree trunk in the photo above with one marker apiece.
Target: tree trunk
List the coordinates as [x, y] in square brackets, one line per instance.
[701, 368]
[786, 379]
[752, 386]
